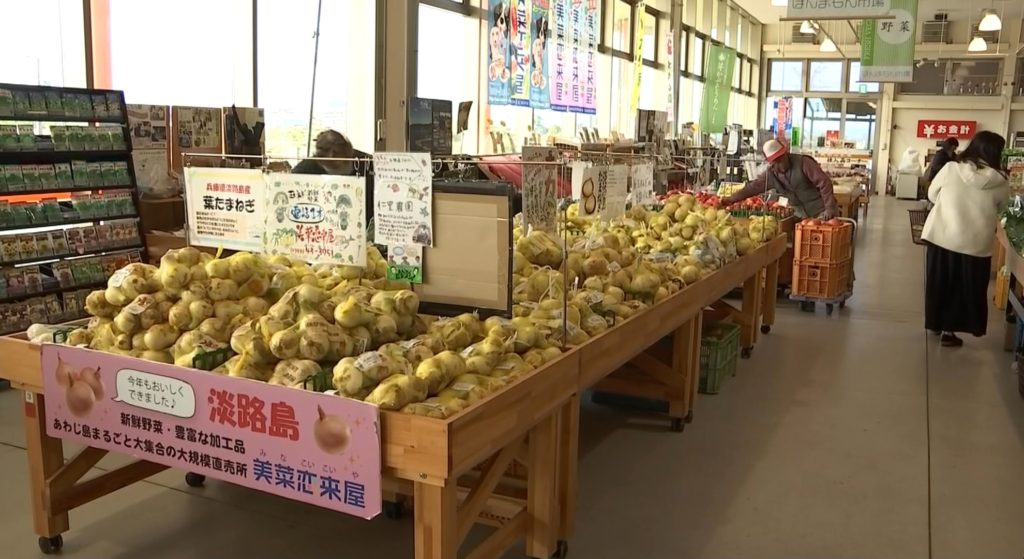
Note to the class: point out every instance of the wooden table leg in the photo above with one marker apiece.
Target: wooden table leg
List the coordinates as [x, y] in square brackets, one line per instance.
[750, 313]
[568, 464]
[45, 458]
[686, 360]
[436, 520]
[542, 493]
[770, 296]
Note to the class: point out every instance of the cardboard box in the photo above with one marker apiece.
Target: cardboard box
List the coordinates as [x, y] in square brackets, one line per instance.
[162, 215]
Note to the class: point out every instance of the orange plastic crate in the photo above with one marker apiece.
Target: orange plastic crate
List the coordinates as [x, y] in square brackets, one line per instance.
[821, 281]
[822, 244]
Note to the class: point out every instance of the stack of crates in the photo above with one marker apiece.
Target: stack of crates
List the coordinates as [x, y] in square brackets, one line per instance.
[822, 259]
[719, 351]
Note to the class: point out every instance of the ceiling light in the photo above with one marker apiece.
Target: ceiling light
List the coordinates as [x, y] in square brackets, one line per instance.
[829, 46]
[990, 22]
[807, 28]
[977, 44]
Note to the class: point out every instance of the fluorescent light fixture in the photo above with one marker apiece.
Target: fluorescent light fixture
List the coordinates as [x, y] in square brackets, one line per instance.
[780, 3]
[990, 22]
[828, 46]
[807, 28]
[977, 44]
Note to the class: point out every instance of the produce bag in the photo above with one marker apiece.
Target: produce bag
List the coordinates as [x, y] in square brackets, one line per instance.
[910, 163]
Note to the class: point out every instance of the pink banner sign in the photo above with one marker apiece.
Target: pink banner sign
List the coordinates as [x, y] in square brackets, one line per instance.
[301, 445]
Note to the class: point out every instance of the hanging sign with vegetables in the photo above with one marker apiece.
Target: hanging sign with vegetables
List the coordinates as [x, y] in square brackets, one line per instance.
[316, 218]
[301, 445]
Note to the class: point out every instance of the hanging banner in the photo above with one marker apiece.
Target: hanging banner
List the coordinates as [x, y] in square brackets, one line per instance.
[540, 16]
[225, 207]
[298, 444]
[638, 57]
[887, 46]
[403, 197]
[540, 197]
[784, 118]
[838, 9]
[615, 192]
[593, 20]
[577, 21]
[520, 23]
[560, 67]
[316, 218]
[670, 91]
[642, 177]
[714, 108]
[498, 62]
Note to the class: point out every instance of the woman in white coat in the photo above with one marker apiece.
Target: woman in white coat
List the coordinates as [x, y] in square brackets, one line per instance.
[969, 195]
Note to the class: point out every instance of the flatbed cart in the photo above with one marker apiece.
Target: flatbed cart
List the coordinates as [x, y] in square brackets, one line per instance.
[807, 303]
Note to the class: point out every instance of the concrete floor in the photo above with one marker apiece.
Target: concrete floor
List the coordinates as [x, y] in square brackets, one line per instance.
[852, 436]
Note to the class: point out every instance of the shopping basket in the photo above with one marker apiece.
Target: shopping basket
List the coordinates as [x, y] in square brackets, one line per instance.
[917, 219]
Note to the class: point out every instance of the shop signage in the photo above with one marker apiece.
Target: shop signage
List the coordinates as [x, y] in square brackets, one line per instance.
[638, 56]
[403, 197]
[670, 70]
[714, 110]
[642, 177]
[499, 62]
[593, 19]
[316, 218]
[593, 189]
[784, 118]
[887, 46]
[540, 192]
[837, 9]
[405, 263]
[540, 16]
[616, 193]
[942, 129]
[560, 67]
[519, 21]
[302, 445]
[574, 78]
[225, 207]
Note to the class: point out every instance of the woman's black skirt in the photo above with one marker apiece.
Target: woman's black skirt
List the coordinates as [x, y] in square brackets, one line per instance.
[956, 291]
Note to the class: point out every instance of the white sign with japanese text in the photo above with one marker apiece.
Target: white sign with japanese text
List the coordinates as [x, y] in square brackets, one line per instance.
[317, 218]
[825, 9]
[403, 197]
[540, 192]
[615, 193]
[642, 176]
[225, 207]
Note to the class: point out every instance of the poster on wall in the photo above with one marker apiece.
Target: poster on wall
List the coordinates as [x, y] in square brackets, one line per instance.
[225, 207]
[540, 18]
[519, 51]
[403, 197]
[316, 218]
[714, 108]
[591, 39]
[560, 66]
[887, 46]
[243, 134]
[147, 127]
[540, 196]
[574, 84]
[297, 444]
[195, 130]
[498, 61]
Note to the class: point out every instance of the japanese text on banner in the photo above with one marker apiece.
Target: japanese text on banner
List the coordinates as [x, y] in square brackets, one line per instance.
[559, 69]
[540, 17]
[225, 207]
[317, 218]
[403, 198]
[540, 196]
[519, 20]
[498, 54]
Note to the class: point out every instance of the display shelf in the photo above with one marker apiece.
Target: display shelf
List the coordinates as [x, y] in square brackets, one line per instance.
[59, 118]
[74, 255]
[37, 191]
[10, 157]
[52, 291]
[77, 221]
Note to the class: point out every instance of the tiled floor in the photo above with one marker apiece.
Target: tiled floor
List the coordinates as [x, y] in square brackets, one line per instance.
[852, 436]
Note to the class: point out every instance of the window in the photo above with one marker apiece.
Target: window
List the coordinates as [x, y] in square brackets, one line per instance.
[698, 100]
[821, 116]
[825, 76]
[650, 37]
[622, 26]
[974, 77]
[859, 126]
[43, 43]
[787, 75]
[737, 69]
[172, 57]
[697, 62]
[929, 79]
[457, 47]
[344, 96]
[771, 113]
[857, 86]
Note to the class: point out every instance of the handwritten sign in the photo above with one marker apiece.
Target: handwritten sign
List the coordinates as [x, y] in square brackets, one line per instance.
[615, 192]
[316, 218]
[593, 191]
[300, 445]
[225, 207]
[405, 263]
[540, 196]
[642, 176]
[403, 198]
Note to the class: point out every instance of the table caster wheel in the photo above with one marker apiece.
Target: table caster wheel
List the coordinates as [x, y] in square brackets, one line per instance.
[394, 510]
[842, 304]
[766, 329]
[746, 352]
[195, 480]
[829, 309]
[678, 424]
[562, 550]
[51, 545]
[807, 306]
[689, 417]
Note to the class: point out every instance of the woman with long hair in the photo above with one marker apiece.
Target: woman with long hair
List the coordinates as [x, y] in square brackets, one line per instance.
[969, 194]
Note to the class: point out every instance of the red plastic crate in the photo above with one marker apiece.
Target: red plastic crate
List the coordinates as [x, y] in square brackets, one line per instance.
[822, 244]
[821, 281]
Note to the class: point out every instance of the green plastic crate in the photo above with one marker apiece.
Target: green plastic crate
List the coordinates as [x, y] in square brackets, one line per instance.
[719, 350]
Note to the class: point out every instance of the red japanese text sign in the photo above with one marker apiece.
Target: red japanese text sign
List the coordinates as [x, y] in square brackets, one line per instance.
[301, 445]
[942, 129]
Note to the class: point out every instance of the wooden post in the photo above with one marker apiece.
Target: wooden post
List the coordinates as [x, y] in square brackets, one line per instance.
[771, 294]
[751, 312]
[542, 494]
[45, 458]
[686, 360]
[568, 466]
[436, 520]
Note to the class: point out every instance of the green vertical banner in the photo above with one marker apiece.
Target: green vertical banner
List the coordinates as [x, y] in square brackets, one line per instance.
[887, 45]
[714, 107]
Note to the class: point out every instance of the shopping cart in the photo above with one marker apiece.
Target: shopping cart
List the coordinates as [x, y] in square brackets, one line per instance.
[917, 219]
[821, 281]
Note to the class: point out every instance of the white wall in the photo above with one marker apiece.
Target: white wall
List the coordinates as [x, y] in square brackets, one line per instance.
[904, 133]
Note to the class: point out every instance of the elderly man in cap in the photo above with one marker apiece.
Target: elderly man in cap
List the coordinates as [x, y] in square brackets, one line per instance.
[798, 178]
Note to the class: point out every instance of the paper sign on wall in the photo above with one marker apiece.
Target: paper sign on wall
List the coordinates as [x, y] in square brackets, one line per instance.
[147, 126]
[316, 218]
[405, 263]
[642, 176]
[403, 197]
[294, 443]
[615, 192]
[540, 196]
[225, 207]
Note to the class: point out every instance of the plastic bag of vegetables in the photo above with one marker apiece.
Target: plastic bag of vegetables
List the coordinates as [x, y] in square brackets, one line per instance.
[397, 391]
[294, 372]
[439, 370]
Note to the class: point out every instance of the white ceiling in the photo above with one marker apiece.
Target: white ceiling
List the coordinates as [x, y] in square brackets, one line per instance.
[957, 9]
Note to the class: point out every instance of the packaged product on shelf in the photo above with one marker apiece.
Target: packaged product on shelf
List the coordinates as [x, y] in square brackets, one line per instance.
[27, 137]
[99, 106]
[54, 310]
[75, 240]
[117, 141]
[33, 279]
[76, 137]
[19, 213]
[59, 242]
[104, 236]
[95, 174]
[43, 246]
[12, 176]
[15, 279]
[123, 178]
[103, 140]
[3, 180]
[21, 103]
[9, 138]
[114, 108]
[109, 264]
[51, 211]
[80, 176]
[30, 173]
[64, 177]
[59, 135]
[89, 239]
[108, 170]
[48, 177]
[36, 103]
[135, 256]
[125, 205]
[6, 103]
[36, 310]
[90, 140]
[27, 246]
[35, 213]
[100, 205]
[54, 103]
[72, 305]
[117, 238]
[62, 271]
[6, 215]
[9, 249]
[18, 317]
